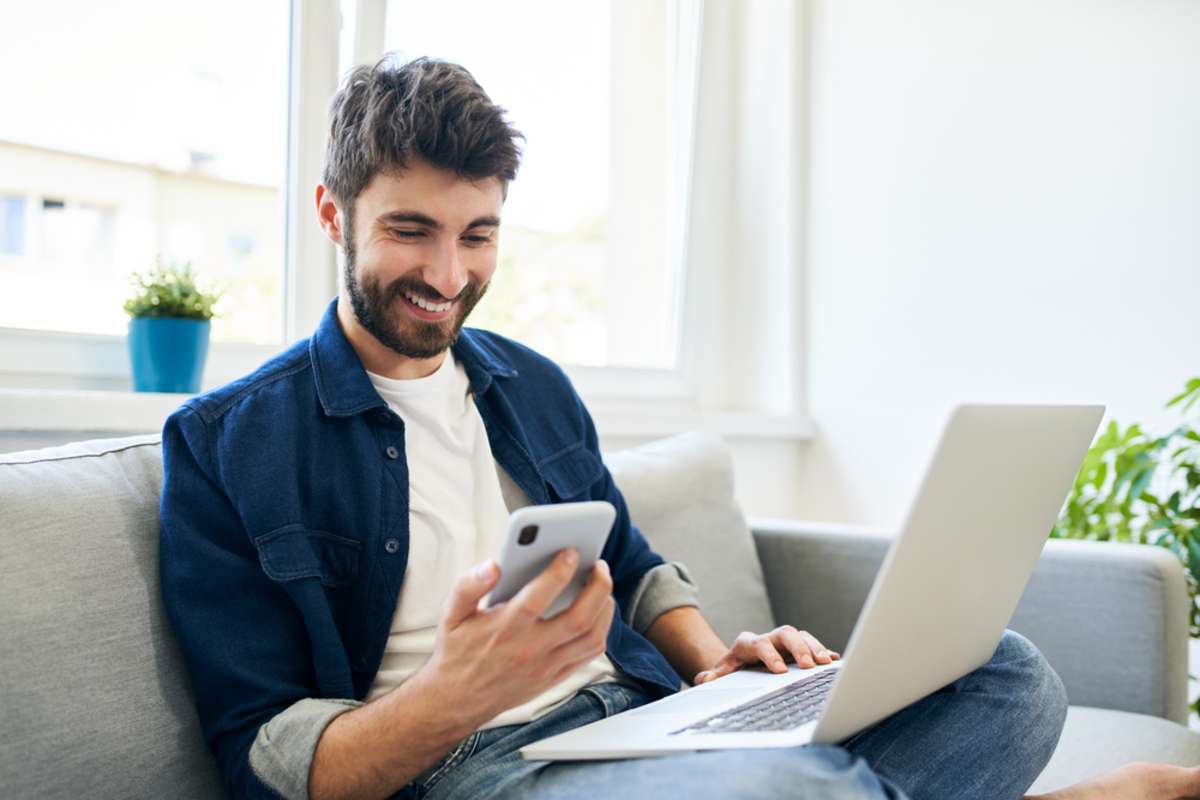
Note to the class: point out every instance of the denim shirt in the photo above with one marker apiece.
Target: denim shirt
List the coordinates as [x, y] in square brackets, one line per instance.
[284, 525]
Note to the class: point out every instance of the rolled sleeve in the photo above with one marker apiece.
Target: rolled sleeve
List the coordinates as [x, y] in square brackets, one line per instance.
[283, 750]
[661, 589]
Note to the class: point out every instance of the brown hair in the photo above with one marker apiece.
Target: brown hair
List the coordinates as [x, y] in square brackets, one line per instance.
[385, 115]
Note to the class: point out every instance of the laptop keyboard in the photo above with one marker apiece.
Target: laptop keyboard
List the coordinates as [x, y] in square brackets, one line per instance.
[781, 710]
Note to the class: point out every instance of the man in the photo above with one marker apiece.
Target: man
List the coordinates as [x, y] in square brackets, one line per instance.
[327, 524]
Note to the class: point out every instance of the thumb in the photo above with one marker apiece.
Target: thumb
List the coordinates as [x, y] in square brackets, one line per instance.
[468, 590]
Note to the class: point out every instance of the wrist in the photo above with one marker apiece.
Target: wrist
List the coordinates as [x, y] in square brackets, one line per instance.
[459, 713]
[687, 640]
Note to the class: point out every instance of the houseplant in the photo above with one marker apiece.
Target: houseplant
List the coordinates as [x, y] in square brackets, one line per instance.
[169, 329]
[1135, 487]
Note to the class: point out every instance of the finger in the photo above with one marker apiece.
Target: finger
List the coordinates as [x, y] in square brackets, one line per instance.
[796, 644]
[723, 667]
[592, 602]
[468, 590]
[764, 648]
[576, 659]
[537, 595]
[583, 648]
[750, 648]
[820, 653]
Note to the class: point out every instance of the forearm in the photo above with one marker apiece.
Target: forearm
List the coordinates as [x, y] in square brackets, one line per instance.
[686, 640]
[380, 747]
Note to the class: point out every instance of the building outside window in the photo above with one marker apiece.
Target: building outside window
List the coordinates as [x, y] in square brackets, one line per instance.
[163, 140]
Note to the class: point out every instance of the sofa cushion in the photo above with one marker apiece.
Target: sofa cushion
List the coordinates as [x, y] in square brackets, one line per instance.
[1097, 740]
[680, 494]
[95, 692]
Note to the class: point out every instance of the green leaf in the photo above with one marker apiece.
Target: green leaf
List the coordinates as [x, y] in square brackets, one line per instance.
[1188, 396]
[1193, 557]
[1142, 481]
[170, 291]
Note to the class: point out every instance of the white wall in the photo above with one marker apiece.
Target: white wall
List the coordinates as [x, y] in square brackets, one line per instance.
[1004, 205]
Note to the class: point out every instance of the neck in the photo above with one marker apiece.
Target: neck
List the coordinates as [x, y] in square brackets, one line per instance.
[377, 357]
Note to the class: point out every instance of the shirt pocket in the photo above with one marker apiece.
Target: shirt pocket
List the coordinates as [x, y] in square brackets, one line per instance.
[571, 473]
[295, 551]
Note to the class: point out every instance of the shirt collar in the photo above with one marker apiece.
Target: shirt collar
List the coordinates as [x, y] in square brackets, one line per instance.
[342, 383]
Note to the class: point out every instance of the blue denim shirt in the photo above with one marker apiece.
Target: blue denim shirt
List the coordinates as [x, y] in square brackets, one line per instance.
[285, 524]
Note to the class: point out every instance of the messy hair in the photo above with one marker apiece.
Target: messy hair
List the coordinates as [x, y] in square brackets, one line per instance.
[386, 115]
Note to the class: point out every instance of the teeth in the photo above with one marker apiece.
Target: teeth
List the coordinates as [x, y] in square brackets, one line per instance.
[417, 301]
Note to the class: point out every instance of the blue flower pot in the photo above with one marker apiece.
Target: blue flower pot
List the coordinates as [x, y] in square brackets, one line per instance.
[168, 353]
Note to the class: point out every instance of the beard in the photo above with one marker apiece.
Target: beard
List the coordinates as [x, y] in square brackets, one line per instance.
[374, 306]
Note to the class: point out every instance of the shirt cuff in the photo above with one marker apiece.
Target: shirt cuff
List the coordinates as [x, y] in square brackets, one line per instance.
[282, 753]
[662, 588]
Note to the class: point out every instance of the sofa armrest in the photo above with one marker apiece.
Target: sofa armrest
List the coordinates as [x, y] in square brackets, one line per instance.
[1111, 618]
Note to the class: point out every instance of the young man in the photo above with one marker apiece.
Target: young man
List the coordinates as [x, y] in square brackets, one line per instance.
[328, 522]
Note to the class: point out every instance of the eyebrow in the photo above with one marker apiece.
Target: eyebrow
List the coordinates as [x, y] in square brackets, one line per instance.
[418, 218]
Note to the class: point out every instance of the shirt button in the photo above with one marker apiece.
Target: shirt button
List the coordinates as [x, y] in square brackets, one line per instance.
[392, 452]
[392, 546]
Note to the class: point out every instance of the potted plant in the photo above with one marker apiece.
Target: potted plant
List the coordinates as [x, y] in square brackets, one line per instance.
[168, 330]
[1136, 487]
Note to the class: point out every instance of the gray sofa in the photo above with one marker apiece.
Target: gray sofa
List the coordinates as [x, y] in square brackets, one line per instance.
[95, 699]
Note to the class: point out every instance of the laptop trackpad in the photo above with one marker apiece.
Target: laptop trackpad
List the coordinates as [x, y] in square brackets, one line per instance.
[690, 701]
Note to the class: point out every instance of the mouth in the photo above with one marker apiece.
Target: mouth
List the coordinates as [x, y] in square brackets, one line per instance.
[426, 310]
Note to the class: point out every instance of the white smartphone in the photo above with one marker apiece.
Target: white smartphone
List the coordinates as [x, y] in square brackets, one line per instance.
[537, 533]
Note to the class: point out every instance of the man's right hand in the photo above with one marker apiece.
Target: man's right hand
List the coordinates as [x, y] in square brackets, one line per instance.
[499, 657]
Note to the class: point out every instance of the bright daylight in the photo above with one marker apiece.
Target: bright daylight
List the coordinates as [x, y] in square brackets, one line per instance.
[785, 399]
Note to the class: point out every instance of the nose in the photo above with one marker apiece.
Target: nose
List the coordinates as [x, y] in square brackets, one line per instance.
[445, 271]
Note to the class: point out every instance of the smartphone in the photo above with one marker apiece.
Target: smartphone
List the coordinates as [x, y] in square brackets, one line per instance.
[536, 534]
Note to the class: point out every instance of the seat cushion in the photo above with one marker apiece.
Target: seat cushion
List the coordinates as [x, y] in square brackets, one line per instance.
[95, 692]
[680, 494]
[1097, 740]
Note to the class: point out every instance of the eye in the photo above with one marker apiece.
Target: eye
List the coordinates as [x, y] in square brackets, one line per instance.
[406, 233]
[476, 239]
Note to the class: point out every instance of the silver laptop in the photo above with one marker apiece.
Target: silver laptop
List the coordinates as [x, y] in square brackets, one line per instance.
[936, 611]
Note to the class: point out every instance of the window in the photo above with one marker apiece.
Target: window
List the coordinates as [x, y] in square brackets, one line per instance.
[162, 139]
[12, 225]
[591, 246]
[192, 134]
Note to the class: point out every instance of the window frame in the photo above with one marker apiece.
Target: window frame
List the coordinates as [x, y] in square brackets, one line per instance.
[635, 402]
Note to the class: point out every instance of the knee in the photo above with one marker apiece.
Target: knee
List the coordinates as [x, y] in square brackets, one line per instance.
[1031, 682]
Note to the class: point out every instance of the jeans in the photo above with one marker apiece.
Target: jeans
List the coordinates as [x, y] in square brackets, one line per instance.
[987, 735]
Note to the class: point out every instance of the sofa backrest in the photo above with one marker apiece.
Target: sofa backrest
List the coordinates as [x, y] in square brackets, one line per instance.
[94, 687]
[94, 690]
[680, 493]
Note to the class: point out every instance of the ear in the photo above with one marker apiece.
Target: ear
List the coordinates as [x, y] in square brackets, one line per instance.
[329, 215]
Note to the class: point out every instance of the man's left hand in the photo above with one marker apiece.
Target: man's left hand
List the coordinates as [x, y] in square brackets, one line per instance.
[774, 650]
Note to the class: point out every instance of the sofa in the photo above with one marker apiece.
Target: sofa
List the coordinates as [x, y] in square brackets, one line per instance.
[95, 698]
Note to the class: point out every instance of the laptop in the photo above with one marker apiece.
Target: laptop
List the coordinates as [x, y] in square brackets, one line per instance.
[939, 605]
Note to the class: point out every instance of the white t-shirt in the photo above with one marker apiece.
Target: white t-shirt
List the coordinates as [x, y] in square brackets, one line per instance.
[456, 519]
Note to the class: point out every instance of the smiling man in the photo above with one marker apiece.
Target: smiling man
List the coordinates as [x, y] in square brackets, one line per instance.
[417, 277]
[329, 523]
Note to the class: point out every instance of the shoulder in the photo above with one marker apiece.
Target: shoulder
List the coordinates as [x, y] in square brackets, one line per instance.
[273, 385]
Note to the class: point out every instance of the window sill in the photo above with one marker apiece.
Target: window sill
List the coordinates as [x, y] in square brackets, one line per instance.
[144, 412]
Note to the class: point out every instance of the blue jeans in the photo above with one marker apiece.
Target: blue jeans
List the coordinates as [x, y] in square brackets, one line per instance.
[987, 735]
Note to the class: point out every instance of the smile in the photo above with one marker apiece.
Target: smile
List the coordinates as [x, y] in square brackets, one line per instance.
[428, 306]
